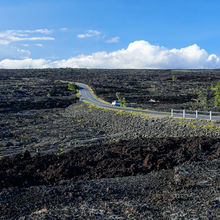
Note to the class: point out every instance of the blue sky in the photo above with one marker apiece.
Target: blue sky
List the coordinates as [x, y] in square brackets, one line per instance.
[110, 33]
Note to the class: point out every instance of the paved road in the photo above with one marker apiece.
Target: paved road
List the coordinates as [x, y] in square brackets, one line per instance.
[87, 95]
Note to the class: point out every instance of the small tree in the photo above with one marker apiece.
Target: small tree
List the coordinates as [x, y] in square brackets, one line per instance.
[121, 99]
[124, 102]
[174, 78]
[118, 96]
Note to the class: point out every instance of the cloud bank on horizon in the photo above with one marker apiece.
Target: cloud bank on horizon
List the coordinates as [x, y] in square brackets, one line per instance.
[138, 55]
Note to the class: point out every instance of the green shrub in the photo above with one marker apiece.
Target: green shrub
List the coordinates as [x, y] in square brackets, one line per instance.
[202, 97]
[73, 87]
[217, 94]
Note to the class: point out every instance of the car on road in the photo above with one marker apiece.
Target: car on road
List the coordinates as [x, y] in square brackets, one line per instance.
[116, 103]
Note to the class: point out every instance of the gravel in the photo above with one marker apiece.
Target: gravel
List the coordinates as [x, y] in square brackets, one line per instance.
[60, 129]
[190, 191]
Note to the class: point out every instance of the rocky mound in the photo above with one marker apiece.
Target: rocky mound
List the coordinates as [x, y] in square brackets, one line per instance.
[125, 158]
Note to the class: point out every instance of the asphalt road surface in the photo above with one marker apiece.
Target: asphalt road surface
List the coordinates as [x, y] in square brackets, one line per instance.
[88, 96]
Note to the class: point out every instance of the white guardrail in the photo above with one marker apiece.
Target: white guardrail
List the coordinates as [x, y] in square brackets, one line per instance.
[205, 115]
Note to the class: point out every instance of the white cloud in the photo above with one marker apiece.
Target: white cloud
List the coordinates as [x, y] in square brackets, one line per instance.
[13, 52]
[25, 45]
[89, 33]
[138, 54]
[113, 40]
[10, 36]
[4, 42]
[23, 64]
[16, 39]
[63, 29]
[24, 53]
[11, 40]
[39, 45]
[41, 31]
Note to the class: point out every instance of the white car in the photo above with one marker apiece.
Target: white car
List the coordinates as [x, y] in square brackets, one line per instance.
[116, 103]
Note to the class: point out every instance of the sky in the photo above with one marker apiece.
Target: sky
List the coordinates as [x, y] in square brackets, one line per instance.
[168, 34]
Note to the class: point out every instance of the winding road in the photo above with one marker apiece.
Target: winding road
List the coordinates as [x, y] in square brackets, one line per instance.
[88, 96]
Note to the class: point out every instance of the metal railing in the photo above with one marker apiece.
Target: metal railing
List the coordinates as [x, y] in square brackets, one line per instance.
[205, 115]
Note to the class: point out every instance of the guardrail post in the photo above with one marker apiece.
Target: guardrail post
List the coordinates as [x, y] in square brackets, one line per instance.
[196, 114]
[210, 115]
[184, 113]
[172, 113]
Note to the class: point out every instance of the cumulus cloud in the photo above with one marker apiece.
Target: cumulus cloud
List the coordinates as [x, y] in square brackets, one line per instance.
[113, 40]
[10, 36]
[89, 33]
[138, 54]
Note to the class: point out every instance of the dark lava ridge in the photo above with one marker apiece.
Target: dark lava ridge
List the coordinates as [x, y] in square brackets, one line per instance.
[125, 158]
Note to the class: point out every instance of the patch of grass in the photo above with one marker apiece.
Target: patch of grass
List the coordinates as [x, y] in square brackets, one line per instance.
[126, 112]
[92, 91]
